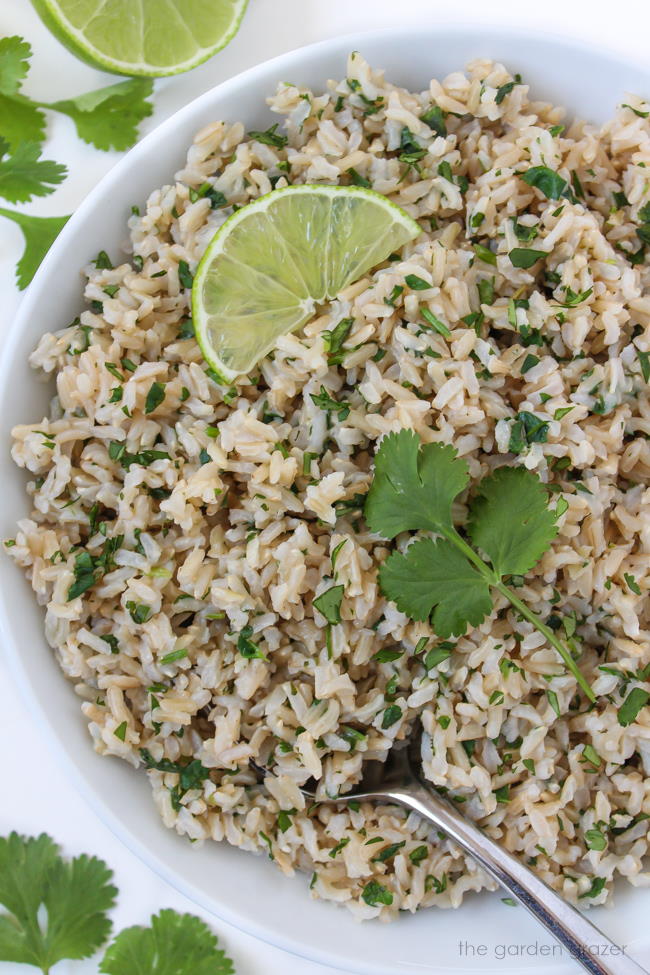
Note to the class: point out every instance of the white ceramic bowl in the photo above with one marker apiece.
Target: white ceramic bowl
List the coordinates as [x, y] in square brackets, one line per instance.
[245, 890]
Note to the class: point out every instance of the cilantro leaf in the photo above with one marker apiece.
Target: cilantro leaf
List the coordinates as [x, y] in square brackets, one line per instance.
[329, 604]
[175, 944]
[20, 119]
[510, 520]
[23, 175]
[14, 63]
[525, 257]
[109, 117]
[629, 709]
[39, 233]
[76, 895]
[435, 576]
[546, 180]
[414, 486]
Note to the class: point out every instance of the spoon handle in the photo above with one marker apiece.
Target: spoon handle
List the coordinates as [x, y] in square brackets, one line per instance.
[584, 942]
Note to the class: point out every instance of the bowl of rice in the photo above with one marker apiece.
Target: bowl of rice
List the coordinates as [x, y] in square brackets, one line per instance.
[164, 556]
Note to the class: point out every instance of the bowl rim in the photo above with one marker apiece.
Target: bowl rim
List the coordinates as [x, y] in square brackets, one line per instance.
[28, 306]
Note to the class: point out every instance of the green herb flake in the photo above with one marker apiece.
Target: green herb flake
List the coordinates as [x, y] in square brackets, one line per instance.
[155, 397]
[526, 429]
[139, 612]
[632, 705]
[120, 731]
[172, 657]
[562, 411]
[485, 254]
[334, 340]
[419, 854]
[392, 714]
[388, 852]
[103, 262]
[595, 839]
[636, 111]
[185, 276]
[434, 117]
[417, 283]
[590, 755]
[434, 322]
[335, 554]
[329, 604]
[502, 794]
[374, 893]
[270, 137]
[529, 363]
[553, 701]
[644, 362]
[388, 655]
[358, 180]
[506, 89]
[341, 845]
[325, 402]
[247, 648]
[546, 180]
[437, 656]
[597, 887]
[525, 257]
[393, 296]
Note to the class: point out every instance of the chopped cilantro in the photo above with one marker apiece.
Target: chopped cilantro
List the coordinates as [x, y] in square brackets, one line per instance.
[546, 180]
[326, 402]
[247, 648]
[155, 396]
[374, 893]
[270, 137]
[185, 276]
[525, 257]
[329, 604]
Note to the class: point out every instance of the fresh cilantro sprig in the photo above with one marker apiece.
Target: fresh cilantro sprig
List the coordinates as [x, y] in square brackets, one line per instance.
[446, 578]
[24, 175]
[76, 896]
[56, 909]
[181, 944]
[107, 118]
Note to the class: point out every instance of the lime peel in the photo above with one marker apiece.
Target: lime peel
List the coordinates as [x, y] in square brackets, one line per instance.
[122, 37]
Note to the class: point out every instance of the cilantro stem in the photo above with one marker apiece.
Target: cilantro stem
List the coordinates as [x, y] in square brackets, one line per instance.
[469, 553]
[493, 580]
[549, 634]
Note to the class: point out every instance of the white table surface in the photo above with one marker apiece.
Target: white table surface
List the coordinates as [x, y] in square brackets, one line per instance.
[34, 793]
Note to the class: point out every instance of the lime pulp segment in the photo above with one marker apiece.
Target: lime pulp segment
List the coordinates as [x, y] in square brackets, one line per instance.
[273, 260]
[143, 37]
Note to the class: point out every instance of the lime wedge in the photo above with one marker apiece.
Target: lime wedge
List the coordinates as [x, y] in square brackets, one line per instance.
[271, 261]
[142, 37]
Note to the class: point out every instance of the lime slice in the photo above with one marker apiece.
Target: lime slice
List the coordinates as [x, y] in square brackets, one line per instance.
[271, 261]
[143, 37]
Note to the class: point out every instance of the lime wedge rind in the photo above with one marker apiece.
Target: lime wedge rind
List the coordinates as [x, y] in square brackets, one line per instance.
[273, 260]
[53, 14]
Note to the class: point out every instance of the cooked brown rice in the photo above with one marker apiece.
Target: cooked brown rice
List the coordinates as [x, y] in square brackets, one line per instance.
[233, 528]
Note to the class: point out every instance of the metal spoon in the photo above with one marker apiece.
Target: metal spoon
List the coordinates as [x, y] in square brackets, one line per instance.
[399, 780]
